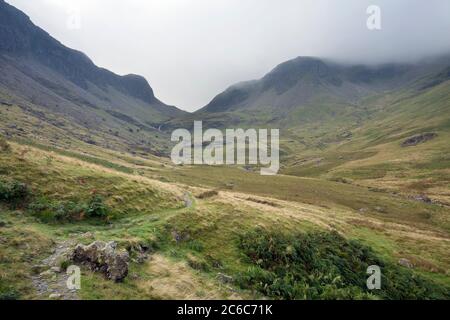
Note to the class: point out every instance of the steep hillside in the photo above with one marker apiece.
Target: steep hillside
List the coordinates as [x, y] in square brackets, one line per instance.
[43, 78]
[308, 89]
[365, 181]
[303, 80]
[386, 127]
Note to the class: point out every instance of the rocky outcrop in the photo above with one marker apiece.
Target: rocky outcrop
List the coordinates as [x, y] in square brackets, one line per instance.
[418, 139]
[103, 257]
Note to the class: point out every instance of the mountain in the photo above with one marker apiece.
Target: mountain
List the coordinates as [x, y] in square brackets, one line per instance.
[307, 81]
[315, 94]
[41, 75]
[384, 126]
[364, 180]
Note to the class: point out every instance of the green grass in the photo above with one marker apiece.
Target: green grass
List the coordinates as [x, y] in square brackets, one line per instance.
[21, 247]
[204, 238]
[316, 192]
[82, 157]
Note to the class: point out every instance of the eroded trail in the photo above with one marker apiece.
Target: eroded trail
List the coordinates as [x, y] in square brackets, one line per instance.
[51, 280]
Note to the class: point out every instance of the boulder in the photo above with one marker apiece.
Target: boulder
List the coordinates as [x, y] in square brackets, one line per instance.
[422, 198]
[104, 257]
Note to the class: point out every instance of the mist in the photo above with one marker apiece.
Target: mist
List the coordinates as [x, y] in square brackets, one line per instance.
[189, 51]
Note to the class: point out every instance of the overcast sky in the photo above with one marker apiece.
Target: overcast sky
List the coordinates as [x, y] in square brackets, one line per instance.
[190, 50]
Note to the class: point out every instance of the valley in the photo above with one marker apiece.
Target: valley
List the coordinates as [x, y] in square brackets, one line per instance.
[148, 208]
[85, 165]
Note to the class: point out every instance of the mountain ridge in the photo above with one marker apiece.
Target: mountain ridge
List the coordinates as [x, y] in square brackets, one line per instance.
[20, 37]
[301, 76]
[58, 86]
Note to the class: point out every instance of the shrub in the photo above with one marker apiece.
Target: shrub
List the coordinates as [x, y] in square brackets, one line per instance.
[13, 192]
[64, 265]
[7, 292]
[10, 295]
[96, 208]
[324, 266]
[50, 211]
[65, 211]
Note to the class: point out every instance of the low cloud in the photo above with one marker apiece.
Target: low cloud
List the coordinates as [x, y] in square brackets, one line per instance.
[191, 50]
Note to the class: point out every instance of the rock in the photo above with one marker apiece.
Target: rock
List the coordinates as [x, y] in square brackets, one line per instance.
[418, 139]
[62, 253]
[141, 257]
[346, 135]
[214, 262]
[139, 253]
[405, 263]
[56, 269]
[87, 235]
[380, 209]
[180, 236]
[224, 278]
[47, 274]
[422, 198]
[38, 269]
[104, 257]
[54, 296]
[363, 210]
[135, 276]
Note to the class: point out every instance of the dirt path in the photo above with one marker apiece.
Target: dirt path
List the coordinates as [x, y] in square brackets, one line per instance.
[51, 282]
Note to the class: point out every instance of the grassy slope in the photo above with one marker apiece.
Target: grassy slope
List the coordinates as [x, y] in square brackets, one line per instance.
[147, 193]
[151, 211]
[30, 121]
[372, 154]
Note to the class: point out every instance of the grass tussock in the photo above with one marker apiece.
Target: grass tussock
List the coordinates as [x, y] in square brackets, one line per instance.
[20, 248]
[4, 145]
[13, 192]
[207, 194]
[50, 211]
